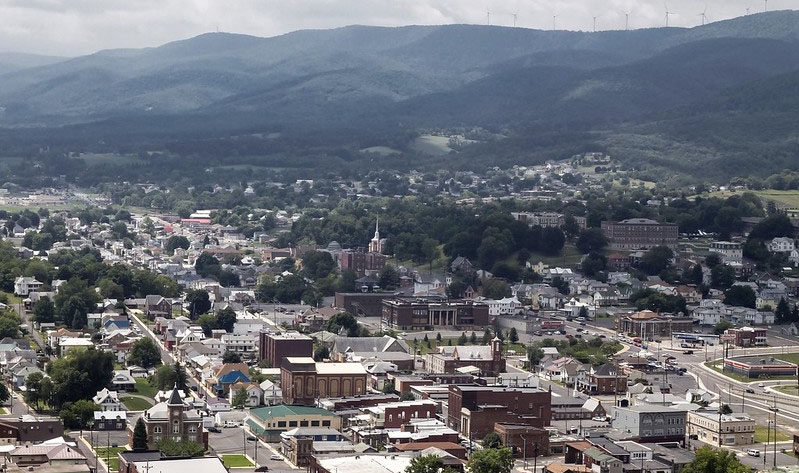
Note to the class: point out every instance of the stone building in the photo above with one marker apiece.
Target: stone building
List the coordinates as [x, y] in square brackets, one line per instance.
[172, 420]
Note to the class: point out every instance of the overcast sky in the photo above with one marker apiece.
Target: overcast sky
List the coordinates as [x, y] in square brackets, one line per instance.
[74, 27]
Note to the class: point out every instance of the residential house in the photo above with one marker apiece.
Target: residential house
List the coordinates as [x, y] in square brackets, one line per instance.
[24, 285]
[781, 245]
[107, 400]
[157, 306]
[110, 420]
[254, 393]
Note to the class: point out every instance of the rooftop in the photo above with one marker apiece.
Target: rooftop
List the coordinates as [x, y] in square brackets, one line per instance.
[195, 465]
[283, 410]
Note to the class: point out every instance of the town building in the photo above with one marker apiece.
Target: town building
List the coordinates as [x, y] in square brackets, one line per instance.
[547, 219]
[303, 380]
[729, 251]
[178, 465]
[394, 415]
[745, 337]
[486, 360]
[525, 441]
[361, 262]
[28, 430]
[650, 423]
[640, 234]
[24, 285]
[403, 314]
[377, 244]
[604, 379]
[782, 245]
[759, 366]
[735, 429]
[649, 325]
[274, 347]
[363, 304]
[173, 420]
[269, 422]
[473, 410]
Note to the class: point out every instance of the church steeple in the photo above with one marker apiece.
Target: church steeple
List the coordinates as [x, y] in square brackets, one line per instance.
[377, 228]
[376, 245]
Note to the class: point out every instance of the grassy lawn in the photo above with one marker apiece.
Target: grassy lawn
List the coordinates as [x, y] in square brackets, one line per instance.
[236, 461]
[789, 357]
[135, 403]
[569, 256]
[761, 435]
[790, 389]
[144, 388]
[3, 411]
[109, 455]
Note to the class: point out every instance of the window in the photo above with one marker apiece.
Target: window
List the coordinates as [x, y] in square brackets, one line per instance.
[281, 423]
[175, 427]
[292, 423]
[157, 429]
[325, 423]
[193, 429]
[156, 438]
[314, 423]
[303, 423]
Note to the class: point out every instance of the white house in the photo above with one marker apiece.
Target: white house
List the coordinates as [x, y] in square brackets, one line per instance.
[272, 393]
[25, 285]
[244, 345]
[504, 306]
[107, 400]
[254, 393]
[781, 245]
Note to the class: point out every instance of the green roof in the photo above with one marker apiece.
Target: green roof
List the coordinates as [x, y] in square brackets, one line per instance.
[266, 413]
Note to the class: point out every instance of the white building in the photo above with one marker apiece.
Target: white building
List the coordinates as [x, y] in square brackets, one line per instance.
[505, 306]
[244, 345]
[781, 245]
[730, 251]
[23, 286]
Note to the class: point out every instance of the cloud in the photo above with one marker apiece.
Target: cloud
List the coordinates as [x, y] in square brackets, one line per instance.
[73, 27]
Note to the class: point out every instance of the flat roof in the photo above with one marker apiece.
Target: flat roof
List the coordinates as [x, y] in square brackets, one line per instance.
[764, 360]
[391, 463]
[195, 465]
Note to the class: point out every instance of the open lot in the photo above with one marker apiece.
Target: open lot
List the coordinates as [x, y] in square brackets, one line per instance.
[236, 461]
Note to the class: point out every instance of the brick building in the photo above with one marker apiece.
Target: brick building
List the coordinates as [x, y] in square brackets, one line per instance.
[303, 380]
[402, 314]
[604, 379]
[394, 415]
[473, 410]
[361, 262]
[745, 337]
[488, 359]
[647, 324]
[276, 346]
[172, 420]
[524, 440]
[640, 234]
[362, 304]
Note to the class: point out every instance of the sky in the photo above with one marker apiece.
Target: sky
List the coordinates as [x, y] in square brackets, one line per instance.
[76, 27]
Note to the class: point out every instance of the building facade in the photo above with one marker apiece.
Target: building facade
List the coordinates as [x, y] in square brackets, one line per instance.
[473, 410]
[303, 380]
[172, 420]
[647, 324]
[274, 347]
[734, 429]
[649, 423]
[640, 234]
[404, 314]
[361, 262]
[729, 251]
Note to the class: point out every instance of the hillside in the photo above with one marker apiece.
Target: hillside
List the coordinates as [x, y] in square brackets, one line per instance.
[630, 91]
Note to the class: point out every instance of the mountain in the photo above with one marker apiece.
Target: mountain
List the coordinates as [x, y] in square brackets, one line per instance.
[10, 62]
[613, 87]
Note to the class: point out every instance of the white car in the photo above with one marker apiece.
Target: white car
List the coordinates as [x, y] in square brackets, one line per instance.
[753, 452]
[276, 458]
[761, 385]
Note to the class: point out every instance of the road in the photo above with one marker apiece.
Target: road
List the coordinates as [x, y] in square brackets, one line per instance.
[23, 316]
[233, 441]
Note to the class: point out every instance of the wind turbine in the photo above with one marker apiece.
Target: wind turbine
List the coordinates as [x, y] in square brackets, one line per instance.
[703, 15]
[595, 17]
[667, 14]
[765, 5]
[515, 16]
[554, 22]
[626, 21]
[488, 17]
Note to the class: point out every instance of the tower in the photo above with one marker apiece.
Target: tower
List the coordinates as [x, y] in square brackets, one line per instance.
[496, 349]
[376, 245]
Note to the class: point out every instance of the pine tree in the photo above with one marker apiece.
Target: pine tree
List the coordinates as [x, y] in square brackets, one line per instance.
[473, 338]
[513, 336]
[486, 337]
[462, 339]
[140, 436]
[783, 312]
[795, 314]
[438, 337]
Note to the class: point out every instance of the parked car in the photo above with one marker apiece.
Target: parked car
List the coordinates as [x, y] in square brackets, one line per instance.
[213, 429]
[276, 458]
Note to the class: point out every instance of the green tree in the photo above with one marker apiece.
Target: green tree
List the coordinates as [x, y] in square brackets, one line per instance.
[140, 436]
[199, 303]
[491, 460]
[722, 276]
[167, 376]
[496, 289]
[5, 394]
[782, 314]
[76, 415]
[226, 319]
[656, 259]
[472, 338]
[427, 464]
[534, 355]
[742, 296]
[317, 264]
[491, 440]
[389, 278]
[591, 240]
[711, 460]
[486, 336]
[720, 327]
[80, 375]
[239, 399]
[231, 357]
[513, 336]
[33, 391]
[462, 339]
[407, 396]
[145, 353]
[321, 353]
[177, 241]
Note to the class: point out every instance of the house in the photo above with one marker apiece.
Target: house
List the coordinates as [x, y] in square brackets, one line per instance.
[123, 381]
[157, 306]
[19, 373]
[268, 422]
[110, 420]
[254, 393]
[781, 245]
[53, 455]
[228, 375]
[272, 393]
[23, 285]
[107, 400]
[604, 379]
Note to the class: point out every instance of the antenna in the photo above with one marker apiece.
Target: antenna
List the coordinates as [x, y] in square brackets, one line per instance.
[554, 23]
[488, 17]
[765, 5]
[626, 21]
[515, 16]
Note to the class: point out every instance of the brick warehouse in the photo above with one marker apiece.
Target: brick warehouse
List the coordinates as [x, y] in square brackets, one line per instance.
[274, 347]
[473, 410]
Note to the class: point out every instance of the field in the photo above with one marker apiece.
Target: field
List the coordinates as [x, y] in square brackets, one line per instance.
[761, 435]
[144, 388]
[381, 150]
[135, 403]
[236, 461]
[109, 455]
[569, 256]
[788, 199]
[432, 144]
[789, 389]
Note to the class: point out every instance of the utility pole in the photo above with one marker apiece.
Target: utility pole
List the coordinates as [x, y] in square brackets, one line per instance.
[535, 458]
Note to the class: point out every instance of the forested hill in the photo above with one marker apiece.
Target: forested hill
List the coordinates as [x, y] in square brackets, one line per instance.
[623, 88]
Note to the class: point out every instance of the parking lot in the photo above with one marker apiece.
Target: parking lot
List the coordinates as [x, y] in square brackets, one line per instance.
[235, 440]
